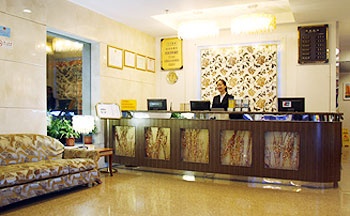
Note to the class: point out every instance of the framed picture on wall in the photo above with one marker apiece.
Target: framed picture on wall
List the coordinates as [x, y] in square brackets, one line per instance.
[140, 62]
[346, 91]
[151, 64]
[114, 57]
[129, 59]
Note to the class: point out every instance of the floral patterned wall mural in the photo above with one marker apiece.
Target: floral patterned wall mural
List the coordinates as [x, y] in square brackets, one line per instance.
[250, 73]
[68, 76]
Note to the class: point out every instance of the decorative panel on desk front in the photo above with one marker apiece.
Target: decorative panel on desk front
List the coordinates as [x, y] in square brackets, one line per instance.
[157, 143]
[124, 140]
[236, 148]
[282, 150]
[195, 145]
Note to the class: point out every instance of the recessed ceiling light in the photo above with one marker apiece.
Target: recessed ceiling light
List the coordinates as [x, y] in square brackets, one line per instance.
[252, 6]
[197, 12]
[27, 10]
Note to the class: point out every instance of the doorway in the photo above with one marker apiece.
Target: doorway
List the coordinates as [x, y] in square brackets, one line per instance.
[68, 76]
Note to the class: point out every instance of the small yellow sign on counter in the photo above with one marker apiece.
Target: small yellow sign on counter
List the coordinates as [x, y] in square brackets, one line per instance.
[128, 104]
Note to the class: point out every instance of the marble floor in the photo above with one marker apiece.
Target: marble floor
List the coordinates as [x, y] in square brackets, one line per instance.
[136, 192]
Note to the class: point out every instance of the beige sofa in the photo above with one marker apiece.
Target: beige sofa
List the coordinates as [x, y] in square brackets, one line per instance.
[33, 165]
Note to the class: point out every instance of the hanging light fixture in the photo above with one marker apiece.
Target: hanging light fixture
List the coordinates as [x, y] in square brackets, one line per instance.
[253, 23]
[197, 29]
[49, 50]
[63, 45]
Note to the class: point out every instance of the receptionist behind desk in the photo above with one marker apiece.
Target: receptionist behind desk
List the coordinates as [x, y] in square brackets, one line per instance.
[221, 100]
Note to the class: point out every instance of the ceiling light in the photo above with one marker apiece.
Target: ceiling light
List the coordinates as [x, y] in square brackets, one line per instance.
[27, 10]
[62, 45]
[197, 29]
[49, 49]
[253, 23]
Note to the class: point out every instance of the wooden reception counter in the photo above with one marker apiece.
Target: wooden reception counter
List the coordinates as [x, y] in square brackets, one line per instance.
[294, 146]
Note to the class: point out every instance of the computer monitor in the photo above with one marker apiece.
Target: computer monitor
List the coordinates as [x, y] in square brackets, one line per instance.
[156, 104]
[64, 104]
[295, 104]
[201, 105]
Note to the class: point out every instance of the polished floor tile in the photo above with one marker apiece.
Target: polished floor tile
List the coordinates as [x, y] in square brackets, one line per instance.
[136, 192]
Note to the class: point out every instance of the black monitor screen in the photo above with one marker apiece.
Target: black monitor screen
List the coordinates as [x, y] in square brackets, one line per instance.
[200, 105]
[291, 104]
[156, 104]
[64, 104]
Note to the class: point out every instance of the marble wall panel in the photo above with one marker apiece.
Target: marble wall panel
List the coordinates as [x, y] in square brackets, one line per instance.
[22, 121]
[113, 90]
[62, 17]
[28, 41]
[23, 66]
[22, 85]
[93, 26]
[3, 6]
[38, 8]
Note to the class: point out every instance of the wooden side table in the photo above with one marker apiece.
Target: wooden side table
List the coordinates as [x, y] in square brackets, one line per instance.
[109, 153]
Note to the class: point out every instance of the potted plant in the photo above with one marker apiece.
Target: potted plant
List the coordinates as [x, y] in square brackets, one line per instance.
[88, 137]
[62, 129]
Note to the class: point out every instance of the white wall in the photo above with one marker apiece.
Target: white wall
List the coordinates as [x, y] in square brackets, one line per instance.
[344, 77]
[23, 67]
[315, 82]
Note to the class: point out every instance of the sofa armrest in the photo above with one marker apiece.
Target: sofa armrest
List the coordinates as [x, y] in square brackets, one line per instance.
[81, 153]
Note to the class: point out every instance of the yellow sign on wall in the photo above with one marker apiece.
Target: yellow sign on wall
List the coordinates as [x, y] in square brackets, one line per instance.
[171, 54]
[128, 104]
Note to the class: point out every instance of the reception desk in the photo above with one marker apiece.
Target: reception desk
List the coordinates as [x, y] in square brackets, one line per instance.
[294, 146]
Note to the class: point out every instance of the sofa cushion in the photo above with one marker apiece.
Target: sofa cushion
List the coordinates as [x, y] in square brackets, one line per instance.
[82, 153]
[17, 174]
[22, 148]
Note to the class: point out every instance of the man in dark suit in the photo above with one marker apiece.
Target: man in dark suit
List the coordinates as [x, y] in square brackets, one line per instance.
[51, 101]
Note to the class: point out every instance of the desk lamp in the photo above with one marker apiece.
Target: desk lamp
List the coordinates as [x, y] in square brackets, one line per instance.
[83, 124]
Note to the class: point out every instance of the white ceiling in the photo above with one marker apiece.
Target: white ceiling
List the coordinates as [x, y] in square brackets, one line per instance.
[138, 13]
